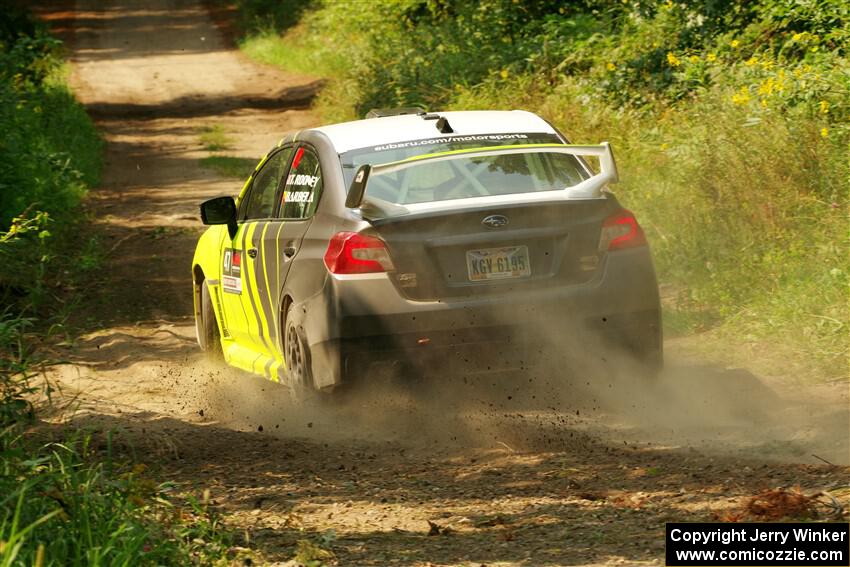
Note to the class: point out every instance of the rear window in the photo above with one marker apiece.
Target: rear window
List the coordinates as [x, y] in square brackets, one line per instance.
[461, 177]
[388, 153]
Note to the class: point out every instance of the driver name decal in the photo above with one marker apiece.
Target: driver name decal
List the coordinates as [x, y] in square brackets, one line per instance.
[298, 196]
[302, 180]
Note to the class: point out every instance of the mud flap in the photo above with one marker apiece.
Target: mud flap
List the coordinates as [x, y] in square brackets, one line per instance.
[324, 356]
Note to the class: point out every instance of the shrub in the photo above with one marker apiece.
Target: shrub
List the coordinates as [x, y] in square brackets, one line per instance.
[729, 119]
[50, 151]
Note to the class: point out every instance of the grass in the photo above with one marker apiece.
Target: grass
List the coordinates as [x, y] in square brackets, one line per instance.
[75, 500]
[730, 128]
[312, 554]
[72, 500]
[215, 139]
[229, 166]
[52, 152]
[69, 503]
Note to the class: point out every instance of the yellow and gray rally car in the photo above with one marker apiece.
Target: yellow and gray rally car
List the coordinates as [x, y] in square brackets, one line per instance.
[434, 239]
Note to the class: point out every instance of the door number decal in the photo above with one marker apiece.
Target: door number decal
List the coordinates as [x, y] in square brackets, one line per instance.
[231, 280]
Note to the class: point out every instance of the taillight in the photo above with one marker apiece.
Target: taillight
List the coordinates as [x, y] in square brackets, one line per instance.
[355, 253]
[621, 230]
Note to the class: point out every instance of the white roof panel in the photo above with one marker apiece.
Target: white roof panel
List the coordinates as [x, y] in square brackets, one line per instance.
[392, 129]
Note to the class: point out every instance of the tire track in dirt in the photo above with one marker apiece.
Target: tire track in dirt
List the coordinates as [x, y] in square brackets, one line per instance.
[574, 483]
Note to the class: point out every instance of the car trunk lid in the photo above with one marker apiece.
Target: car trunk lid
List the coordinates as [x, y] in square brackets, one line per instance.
[500, 248]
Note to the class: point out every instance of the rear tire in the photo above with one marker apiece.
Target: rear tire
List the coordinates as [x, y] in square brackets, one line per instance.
[206, 326]
[296, 354]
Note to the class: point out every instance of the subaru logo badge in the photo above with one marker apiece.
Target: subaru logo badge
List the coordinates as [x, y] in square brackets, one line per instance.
[495, 221]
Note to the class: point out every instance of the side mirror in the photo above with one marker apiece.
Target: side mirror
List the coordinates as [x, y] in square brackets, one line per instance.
[358, 187]
[221, 210]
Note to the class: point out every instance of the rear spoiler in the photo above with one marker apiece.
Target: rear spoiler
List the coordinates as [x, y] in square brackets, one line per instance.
[590, 188]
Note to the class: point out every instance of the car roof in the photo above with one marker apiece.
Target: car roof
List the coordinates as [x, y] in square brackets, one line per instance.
[392, 129]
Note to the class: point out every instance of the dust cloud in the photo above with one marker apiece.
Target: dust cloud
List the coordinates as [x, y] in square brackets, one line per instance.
[591, 396]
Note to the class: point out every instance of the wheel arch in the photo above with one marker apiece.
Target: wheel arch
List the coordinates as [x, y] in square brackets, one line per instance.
[198, 275]
[198, 278]
[285, 303]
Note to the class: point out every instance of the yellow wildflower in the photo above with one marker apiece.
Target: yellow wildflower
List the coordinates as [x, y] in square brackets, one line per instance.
[611, 66]
[503, 73]
[751, 61]
[735, 43]
[780, 81]
[711, 57]
[764, 103]
[813, 48]
[798, 36]
[742, 96]
[664, 147]
[824, 132]
[824, 107]
[673, 60]
[766, 87]
[694, 58]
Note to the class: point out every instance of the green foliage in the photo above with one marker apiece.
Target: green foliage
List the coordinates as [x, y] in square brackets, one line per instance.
[258, 15]
[49, 156]
[68, 502]
[73, 502]
[730, 121]
[315, 553]
[15, 370]
[71, 505]
[49, 150]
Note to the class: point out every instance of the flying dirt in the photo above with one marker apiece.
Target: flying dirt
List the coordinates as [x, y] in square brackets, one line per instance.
[553, 465]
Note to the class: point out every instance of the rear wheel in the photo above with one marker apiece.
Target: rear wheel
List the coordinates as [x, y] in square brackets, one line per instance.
[297, 358]
[206, 326]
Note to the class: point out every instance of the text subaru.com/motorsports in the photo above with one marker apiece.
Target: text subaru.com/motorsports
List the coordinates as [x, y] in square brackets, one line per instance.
[434, 240]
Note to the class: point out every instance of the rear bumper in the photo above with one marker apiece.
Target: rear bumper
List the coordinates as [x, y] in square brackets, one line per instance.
[368, 319]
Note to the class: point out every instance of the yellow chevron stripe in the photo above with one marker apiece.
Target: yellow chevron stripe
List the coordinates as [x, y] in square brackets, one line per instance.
[279, 362]
[248, 290]
[273, 351]
[255, 292]
[266, 274]
[244, 188]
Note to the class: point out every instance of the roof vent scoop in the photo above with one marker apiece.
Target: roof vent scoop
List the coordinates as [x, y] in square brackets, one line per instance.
[443, 126]
[382, 112]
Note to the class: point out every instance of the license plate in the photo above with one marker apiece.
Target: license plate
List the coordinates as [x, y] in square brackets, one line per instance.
[498, 263]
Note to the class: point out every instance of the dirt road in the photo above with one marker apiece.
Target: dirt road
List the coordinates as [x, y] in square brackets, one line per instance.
[588, 477]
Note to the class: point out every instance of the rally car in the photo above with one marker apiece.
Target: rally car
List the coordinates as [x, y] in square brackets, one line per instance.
[424, 238]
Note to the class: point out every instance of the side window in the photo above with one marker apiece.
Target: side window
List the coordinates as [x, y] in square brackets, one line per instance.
[260, 200]
[303, 186]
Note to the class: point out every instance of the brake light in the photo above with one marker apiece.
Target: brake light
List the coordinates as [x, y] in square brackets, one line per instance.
[355, 253]
[621, 230]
